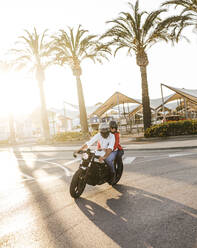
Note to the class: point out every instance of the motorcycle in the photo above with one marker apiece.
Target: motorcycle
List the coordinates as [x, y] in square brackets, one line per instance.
[92, 172]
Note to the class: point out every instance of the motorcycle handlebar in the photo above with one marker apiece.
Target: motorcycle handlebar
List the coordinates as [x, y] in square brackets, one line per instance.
[81, 152]
[78, 152]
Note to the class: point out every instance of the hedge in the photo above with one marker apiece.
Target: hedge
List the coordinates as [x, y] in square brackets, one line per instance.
[4, 142]
[172, 128]
[68, 136]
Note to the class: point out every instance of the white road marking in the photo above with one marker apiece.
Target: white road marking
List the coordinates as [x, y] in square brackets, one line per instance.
[128, 160]
[72, 161]
[67, 172]
[27, 176]
[178, 155]
[67, 163]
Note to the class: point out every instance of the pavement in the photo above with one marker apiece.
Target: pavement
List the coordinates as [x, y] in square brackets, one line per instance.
[128, 142]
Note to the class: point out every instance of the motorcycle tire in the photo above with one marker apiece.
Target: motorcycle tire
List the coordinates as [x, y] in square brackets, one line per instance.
[119, 171]
[78, 184]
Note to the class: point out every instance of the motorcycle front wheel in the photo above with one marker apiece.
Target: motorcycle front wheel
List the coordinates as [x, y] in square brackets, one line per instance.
[78, 184]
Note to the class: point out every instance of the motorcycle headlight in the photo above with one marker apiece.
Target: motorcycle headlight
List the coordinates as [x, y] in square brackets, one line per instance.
[85, 156]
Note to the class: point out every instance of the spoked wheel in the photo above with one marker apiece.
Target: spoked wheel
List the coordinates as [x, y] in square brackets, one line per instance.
[119, 170]
[78, 184]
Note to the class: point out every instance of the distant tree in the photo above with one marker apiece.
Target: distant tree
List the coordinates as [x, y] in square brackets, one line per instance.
[35, 53]
[6, 68]
[71, 49]
[137, 31]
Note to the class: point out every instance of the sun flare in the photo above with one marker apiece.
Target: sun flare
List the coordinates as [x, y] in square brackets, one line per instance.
[19, 95]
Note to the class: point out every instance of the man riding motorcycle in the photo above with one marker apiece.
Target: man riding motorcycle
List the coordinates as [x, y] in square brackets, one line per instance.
[107, 141]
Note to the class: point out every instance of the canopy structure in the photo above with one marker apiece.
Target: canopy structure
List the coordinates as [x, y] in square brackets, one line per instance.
[157, 103]
[191, 95]
[116, 99]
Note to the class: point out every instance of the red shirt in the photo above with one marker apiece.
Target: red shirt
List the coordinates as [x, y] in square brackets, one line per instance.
[117, 142]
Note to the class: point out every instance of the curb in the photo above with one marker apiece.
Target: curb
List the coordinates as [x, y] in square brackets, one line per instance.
[160, 148]
[125, 148]
[160, 138]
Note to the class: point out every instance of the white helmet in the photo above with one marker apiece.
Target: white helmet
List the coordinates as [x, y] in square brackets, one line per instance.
[104, 130]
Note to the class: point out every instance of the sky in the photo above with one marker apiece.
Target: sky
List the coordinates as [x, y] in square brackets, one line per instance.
[174, 66]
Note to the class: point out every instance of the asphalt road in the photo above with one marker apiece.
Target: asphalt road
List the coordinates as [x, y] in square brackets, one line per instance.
[153, 206]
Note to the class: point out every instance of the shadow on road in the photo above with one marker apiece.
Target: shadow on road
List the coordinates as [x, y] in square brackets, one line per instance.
[177, 169]
[49, 223]
[139, 219]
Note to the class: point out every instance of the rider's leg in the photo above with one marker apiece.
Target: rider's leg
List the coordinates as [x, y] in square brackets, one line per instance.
[110, 160]
[120, 153]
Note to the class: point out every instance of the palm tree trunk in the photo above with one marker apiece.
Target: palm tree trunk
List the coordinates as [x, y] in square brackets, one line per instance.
[145, 98]
[12, 130]
[82, 108]
[44, 116]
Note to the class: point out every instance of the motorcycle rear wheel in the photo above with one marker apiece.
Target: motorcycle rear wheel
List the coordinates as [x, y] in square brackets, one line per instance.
[78, 184]
[119, 171]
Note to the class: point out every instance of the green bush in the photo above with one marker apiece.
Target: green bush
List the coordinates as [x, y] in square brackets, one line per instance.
[66, 136]
[172, 128]
[4, 142]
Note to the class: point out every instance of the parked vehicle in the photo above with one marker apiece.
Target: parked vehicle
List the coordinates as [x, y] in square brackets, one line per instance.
[174, 118]
[92, 172]
[170, 118]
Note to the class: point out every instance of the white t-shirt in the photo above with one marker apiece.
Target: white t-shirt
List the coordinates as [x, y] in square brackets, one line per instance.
[105, 143]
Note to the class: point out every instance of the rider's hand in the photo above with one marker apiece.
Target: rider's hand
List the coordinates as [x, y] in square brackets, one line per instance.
[75, 153]
[101, 160]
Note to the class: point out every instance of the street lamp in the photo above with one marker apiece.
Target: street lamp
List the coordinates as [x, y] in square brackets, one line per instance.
[164, 116]
[64, 109]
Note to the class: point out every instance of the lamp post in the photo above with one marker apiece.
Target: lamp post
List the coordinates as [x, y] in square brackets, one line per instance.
[164, 116]
[64, 108]
[12, 130]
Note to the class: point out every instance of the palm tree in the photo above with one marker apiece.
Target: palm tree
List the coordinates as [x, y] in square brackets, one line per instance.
[137, 32]
[188, 5]
[35, 52]
[71, 49]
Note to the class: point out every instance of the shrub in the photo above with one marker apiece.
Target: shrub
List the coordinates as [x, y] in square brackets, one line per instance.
[66, 136]
[4, 142]
[172, 128]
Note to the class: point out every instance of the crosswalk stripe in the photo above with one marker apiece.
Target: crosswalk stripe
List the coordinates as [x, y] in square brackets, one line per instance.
[128, 160]
[178, 155]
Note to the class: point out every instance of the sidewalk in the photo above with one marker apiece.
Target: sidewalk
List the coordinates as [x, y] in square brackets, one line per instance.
[128, 143]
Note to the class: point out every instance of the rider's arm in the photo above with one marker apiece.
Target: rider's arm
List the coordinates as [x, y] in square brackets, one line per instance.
[84, 147]
[107, 152]
[89, 143]
[110, 147]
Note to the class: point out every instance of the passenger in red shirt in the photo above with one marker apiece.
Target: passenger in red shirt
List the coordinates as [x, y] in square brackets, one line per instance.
[114, 129]
[117, 147]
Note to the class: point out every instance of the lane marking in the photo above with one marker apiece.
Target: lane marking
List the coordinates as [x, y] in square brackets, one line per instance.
[128, 160]
[67, 171]
[72, 161]
[27, 176]
[179, 154]
[67, 163]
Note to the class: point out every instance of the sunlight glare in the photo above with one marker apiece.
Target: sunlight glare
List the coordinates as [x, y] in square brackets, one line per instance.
[19, 95]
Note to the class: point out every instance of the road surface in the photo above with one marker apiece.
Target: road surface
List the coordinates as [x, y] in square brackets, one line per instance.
[153, 206]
